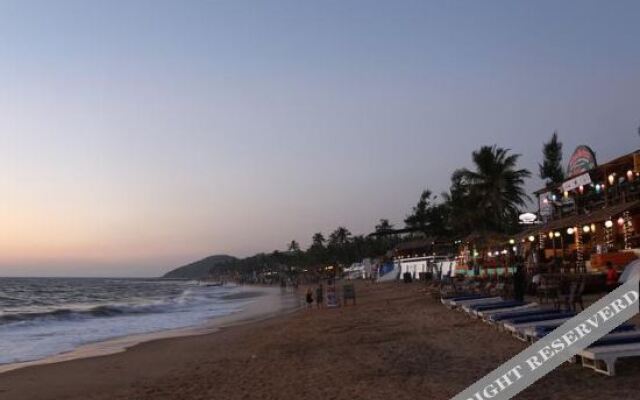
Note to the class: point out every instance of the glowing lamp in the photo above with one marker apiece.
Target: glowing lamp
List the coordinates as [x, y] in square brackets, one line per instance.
[515, 249]
[489, 254]
[581, 188]
[566, 194]
[629, 174]
[570, 231]
[511, 241]
[608, 224]
[586, 229]
[532, 238]
[550, 235]
[620, 221]
[593, 227]
[612, 178]
[557, 234]
[497, 253]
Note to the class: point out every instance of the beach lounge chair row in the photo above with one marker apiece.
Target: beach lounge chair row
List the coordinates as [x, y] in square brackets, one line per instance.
[530, 322]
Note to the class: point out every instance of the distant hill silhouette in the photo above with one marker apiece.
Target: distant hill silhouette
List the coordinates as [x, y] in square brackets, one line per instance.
[199, 269]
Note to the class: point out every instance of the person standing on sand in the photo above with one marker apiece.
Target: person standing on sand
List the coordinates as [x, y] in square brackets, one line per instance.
[519, 281]
[319, 296]
[309, 298]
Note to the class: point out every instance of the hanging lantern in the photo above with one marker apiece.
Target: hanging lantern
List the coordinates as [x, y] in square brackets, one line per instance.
[570, 231]
[532, 238]
[612, 178]
[608, 224]
[630, 175]
[621, 221]
[556, 234]
[593, 227]
[586, 229]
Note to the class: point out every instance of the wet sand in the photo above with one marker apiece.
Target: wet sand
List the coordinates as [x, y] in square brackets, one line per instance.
[397, 343]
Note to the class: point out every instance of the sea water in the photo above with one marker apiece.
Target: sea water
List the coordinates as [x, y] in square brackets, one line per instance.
[41, 317]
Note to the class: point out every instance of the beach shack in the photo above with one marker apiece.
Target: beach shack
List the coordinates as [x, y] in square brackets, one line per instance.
[588, 220]
[423, 258]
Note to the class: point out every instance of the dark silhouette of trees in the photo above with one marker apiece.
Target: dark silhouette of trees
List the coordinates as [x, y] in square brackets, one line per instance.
[551, 168]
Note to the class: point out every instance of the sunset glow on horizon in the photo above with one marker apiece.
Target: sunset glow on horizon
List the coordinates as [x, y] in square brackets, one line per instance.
[139, 136]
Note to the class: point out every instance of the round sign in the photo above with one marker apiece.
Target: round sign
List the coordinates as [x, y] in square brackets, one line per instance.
[528, 218]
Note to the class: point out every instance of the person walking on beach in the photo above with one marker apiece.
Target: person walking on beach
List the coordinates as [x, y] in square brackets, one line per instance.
[319, 296]
[309, 298]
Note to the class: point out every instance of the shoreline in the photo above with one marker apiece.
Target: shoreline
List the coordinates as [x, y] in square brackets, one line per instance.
[397, 342]
[279, 303]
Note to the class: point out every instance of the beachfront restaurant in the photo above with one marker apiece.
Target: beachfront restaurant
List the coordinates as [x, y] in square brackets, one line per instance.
[588, 220]
[423, 258]
[485, 255]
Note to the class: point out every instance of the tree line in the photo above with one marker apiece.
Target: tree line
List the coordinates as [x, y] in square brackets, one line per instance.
[486, 198]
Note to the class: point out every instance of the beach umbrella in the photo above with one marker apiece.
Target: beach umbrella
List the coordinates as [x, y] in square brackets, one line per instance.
[632, 270]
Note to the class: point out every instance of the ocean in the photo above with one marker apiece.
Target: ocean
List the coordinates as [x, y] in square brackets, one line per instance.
[41, 317]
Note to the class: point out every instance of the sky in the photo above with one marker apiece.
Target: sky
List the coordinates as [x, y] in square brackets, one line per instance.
[136, 136]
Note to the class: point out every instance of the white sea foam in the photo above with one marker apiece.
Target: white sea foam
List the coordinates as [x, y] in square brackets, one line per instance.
[35, 331]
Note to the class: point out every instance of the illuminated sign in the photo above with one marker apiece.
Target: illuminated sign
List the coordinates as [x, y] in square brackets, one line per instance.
[582, 160]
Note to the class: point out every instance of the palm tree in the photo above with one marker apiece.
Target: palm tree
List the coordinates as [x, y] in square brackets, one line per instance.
[318, 240]
[339, 237]
[498, 186]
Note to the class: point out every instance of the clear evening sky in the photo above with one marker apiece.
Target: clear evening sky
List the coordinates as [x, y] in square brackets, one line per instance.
[137, 136]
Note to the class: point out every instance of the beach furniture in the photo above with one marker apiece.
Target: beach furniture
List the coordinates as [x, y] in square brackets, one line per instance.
[486, 314]
[602, 359]
[517, 326]
[483, 300]
[537, 332]
[473, 308]
[509, 314]
[458, 304]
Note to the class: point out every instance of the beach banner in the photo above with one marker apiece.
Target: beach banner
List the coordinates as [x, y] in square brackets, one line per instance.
[557, 347]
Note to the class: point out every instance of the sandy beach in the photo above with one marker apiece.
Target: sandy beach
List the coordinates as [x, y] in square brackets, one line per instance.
[396, 343]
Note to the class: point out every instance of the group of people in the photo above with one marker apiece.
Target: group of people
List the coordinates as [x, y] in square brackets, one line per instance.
[318, 298]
